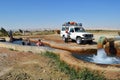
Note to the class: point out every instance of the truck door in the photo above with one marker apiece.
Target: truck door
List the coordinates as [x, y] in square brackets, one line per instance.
[72, 33]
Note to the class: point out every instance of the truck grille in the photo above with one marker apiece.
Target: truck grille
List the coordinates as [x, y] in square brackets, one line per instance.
[88, 35]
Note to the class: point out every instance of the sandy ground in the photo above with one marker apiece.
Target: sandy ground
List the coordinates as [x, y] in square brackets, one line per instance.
[15, 65]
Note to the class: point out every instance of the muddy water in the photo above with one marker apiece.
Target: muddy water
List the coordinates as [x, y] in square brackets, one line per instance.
[46, 47]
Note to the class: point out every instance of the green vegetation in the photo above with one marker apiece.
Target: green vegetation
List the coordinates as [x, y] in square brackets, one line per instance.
[17, 34]
[3, 32]
[119, 33]
[44, 32]
[83, 74]
[86, 74]
[11, 49]
[30, 51]
[100, 31]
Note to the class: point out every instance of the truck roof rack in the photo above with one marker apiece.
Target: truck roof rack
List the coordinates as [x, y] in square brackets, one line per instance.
[72, 24]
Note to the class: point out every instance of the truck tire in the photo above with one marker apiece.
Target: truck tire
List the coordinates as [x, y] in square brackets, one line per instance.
[64, 39]
[78, 40]
[90, 42]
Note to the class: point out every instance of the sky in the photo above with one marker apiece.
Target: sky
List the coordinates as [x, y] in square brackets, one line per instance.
[51, 14]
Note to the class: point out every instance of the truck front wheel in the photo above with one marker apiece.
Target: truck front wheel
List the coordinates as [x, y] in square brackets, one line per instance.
[78, 40]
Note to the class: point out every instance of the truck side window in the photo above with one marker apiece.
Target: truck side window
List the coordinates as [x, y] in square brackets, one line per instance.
[63, 28]
[71, 30]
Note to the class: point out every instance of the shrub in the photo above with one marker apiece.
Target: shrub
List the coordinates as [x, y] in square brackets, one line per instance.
[119, 33]
[86, 74]
[83, 74]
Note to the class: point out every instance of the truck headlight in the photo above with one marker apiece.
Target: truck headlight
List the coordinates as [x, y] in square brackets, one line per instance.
[84, 35]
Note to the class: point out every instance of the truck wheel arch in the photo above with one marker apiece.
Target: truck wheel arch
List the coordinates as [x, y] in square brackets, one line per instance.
[78, 40]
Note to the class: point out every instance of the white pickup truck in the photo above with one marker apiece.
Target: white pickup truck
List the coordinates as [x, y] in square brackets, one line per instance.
[75, 32]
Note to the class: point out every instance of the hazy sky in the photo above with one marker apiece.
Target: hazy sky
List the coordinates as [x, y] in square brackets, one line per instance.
[35, 14]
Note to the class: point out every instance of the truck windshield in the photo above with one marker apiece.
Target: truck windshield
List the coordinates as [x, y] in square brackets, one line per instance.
[79, 29]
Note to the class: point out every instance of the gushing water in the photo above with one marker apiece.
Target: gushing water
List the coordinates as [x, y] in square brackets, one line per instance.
[102, 58]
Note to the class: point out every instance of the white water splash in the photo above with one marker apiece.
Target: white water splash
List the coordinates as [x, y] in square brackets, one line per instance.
[102, 58]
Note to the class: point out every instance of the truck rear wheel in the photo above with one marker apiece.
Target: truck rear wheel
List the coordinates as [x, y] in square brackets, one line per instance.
[64, 39]
[90, 42]
[78, 40]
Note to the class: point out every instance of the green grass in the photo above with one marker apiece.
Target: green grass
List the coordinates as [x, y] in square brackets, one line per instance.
[104, 31]
[12, 49]
[83, 74]
[86, 74]
[44, 32]
[30, 51]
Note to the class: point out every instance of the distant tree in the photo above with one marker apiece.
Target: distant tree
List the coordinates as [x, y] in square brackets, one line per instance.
[4, 32]
[21, 31]
[119, 33]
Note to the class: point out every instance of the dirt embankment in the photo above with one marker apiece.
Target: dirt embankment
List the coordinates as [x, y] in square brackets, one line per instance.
[16, 65]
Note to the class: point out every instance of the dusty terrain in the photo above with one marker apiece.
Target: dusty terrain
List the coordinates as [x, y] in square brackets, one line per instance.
[15, 65]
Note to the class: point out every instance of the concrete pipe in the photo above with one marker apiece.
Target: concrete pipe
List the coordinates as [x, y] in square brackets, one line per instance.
[101, 42]
[110, 45]
[112, 48]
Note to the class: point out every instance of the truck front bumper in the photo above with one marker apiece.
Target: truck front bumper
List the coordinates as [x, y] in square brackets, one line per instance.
[87, 39]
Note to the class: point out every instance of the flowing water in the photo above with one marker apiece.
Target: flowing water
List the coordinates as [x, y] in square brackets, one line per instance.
[100, 58]
[20, 42]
